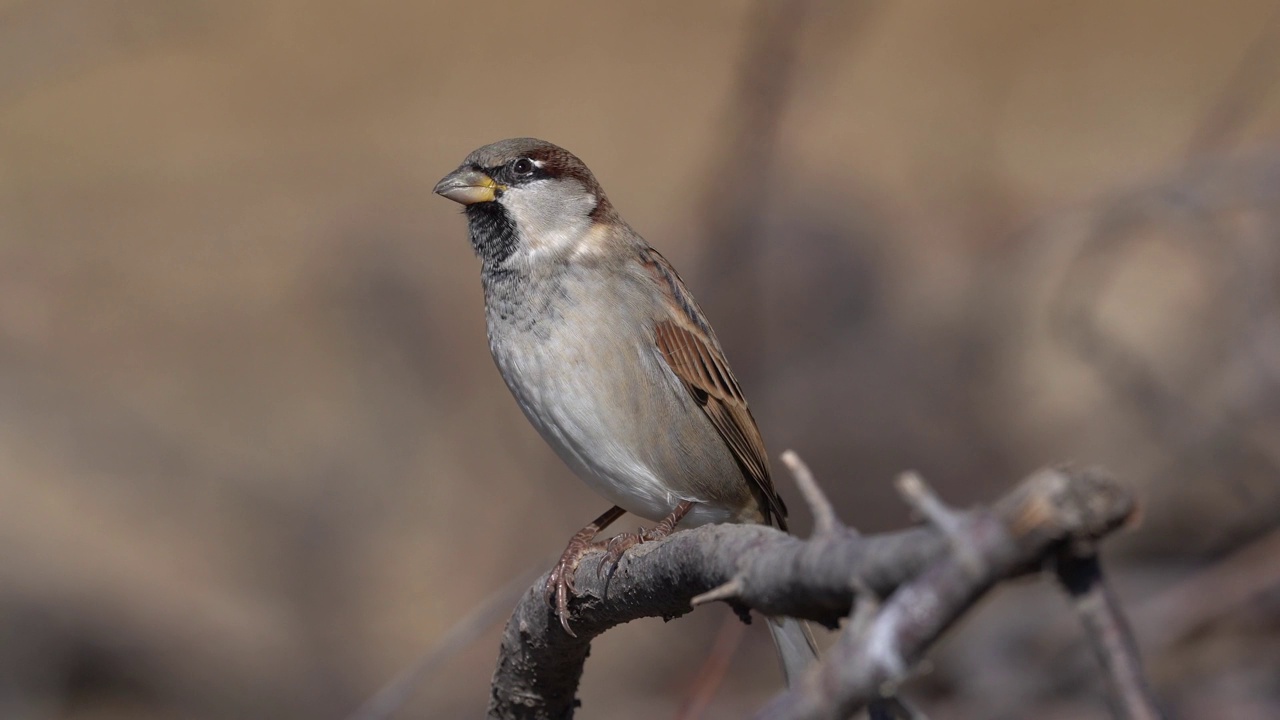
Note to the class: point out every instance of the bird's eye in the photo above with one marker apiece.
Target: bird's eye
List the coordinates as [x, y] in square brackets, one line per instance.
[523, 166]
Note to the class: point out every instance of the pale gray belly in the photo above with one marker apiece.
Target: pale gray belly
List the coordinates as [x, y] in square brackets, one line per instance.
[602, 397]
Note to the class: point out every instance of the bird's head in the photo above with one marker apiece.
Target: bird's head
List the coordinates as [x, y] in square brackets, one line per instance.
[527, 198]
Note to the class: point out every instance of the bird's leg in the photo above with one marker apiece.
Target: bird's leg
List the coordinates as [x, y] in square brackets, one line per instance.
[621, 543]
[560, 582]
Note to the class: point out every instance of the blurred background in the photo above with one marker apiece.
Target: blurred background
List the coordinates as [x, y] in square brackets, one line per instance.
[255, 458]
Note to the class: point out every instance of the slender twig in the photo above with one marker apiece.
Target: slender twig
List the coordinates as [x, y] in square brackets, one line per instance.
[1109, 635]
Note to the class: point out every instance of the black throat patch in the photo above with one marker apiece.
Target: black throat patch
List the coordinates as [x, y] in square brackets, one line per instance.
[493, 232]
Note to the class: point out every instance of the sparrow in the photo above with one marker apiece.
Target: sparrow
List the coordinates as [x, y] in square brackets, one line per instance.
[611, 359]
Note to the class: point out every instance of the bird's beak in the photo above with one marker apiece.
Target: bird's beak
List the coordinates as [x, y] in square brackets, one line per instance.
[467, 186]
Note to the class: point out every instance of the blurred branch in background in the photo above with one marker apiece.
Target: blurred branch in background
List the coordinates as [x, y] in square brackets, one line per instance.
[711, 675]
[1214, 408]
[1197, 253]
[387, 701]
[1205, 402]
[1242, 95]
[743, 179]
[737, 188]
[1233, 587]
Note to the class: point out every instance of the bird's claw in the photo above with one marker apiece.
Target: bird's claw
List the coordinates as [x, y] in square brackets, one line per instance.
[560, 585]
[560, 581]
[617, 546]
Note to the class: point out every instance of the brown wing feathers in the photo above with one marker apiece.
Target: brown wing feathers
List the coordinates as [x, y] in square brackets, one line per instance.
[707, 377]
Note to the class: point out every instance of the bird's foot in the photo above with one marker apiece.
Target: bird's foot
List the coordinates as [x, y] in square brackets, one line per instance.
[620, 544]
[560, 582]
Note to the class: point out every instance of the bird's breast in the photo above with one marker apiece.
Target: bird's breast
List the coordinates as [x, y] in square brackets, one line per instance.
[587, 375]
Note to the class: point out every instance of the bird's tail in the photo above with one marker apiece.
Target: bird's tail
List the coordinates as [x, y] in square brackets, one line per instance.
[796, 648]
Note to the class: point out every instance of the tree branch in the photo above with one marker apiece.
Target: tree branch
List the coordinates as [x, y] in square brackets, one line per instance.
[539, 665]
[986, 546]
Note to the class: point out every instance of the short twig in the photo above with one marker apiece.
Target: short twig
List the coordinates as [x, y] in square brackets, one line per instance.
[727, 591]
[825, 521]
[925, 501]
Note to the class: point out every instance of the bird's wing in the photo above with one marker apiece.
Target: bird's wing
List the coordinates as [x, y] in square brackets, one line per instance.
[690, 349]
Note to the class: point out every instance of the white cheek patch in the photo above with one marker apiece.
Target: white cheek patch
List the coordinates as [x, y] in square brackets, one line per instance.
[551, 221]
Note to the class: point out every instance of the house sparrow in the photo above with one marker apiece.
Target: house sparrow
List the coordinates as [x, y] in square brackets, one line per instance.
[611, 359]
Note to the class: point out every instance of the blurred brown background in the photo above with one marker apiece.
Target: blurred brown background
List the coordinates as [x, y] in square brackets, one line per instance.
[255, 458]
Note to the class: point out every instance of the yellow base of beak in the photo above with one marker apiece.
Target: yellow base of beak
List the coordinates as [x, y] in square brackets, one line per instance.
[468, 187]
